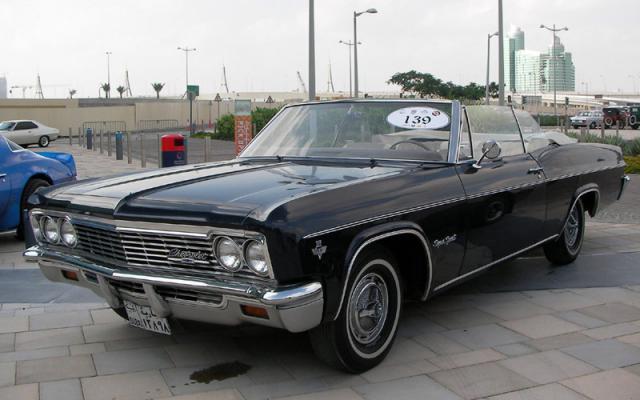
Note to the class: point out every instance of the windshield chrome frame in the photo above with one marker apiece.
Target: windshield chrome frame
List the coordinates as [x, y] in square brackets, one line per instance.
[454, 132]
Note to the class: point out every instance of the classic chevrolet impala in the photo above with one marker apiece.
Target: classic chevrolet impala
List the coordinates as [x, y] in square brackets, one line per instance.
[328, 220]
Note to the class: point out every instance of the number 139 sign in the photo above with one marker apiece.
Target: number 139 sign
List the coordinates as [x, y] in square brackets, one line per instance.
[418, 118]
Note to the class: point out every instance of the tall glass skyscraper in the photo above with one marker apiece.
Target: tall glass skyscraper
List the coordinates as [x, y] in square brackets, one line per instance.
[557, 65]
[512, 43]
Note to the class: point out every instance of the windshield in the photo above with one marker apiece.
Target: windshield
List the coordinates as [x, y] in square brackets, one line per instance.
[584, 114]
[5, 126]
[394, 130]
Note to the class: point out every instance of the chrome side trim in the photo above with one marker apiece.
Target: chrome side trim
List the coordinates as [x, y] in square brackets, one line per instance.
[2, 176]
[564, 225]
[454, 136]
[623, 185]
[380, 237]
[480, 269]
[384, 216]
[589, 171]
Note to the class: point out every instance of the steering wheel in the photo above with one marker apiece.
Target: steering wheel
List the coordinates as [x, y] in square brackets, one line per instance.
[413, 142]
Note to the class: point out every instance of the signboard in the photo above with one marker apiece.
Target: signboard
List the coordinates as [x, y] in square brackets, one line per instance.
[194, 90]
[243, 127]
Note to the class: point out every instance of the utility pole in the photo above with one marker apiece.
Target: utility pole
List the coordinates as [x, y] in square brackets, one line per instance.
[312, 54]
[486, 90]
[553, 71]
[355, 47]
[500, 55]
[349, 45]
[108, 53]
[186, 54]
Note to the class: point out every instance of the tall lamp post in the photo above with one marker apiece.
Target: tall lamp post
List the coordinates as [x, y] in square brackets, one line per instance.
[554, 59]
[355, 47]
[500, 56]
[186, 54]
[108, 53]
[312, 53]
[486, 89]
[349, 44]
[586, 101]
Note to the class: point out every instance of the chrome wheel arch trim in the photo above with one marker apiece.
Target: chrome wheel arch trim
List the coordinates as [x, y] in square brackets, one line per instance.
[578, 196]
[382, 236]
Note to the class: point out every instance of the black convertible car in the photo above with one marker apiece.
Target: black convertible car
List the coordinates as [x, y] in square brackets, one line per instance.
[329, 219]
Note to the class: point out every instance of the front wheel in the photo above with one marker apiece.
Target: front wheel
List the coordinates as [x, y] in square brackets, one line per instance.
[567, 247]
[30, 188]
[362, 335]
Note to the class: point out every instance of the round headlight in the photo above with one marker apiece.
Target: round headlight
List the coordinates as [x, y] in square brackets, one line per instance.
[68, 234]
[35, 226]
[255, 253]
[229, 254]
[51, 230]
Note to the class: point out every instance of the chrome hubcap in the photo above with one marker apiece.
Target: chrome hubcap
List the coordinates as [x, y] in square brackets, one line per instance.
[572, 229]
[368, 308]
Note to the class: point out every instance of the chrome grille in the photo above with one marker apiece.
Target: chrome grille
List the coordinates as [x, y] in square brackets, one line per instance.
[149, 250]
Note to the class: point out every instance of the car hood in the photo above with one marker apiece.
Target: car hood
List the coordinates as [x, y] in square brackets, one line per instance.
[222, 194]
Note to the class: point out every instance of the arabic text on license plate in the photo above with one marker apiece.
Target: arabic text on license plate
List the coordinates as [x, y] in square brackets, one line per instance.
[143, 317]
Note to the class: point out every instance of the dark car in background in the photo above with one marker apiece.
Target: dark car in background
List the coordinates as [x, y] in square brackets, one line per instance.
[615, 116]
[334, 215]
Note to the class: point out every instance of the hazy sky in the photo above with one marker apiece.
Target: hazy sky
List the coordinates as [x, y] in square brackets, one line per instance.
[264, 42]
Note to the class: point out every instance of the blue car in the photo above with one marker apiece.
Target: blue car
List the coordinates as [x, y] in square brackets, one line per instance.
[22, 172]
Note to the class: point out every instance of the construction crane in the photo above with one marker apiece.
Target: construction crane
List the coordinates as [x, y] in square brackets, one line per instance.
[127, 85]
[224, 83]
[23, 87]
[39, 94]
[330, 87]
[304, 87]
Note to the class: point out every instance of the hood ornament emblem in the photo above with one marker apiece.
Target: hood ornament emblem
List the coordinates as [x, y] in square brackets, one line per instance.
[319, 250]
[188, 256]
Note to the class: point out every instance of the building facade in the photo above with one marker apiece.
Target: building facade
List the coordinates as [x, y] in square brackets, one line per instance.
[512, 44]
[3, 87]
[557, 69]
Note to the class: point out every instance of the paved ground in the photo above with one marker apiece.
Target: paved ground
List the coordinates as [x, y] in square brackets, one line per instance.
[523, 331]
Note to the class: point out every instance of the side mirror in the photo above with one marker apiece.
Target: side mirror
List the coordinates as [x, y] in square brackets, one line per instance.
[491, 150]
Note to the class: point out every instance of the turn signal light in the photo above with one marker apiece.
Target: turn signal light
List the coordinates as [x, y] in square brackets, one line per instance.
[254, 311]
[71, 275]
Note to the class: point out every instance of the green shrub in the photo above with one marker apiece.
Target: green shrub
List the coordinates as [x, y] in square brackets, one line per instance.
[224, 128]
[260, 116]
[633, 165]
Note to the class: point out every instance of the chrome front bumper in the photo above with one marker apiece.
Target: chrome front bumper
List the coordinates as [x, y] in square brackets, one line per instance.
[623, 185]
[296, 308]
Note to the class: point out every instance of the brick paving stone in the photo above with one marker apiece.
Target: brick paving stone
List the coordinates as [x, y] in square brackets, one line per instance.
[54, 369]
[561, 301]
[137, 385]
[440, 344]
[515, 309]
[281, 389]
[90, 348]
[68, 389]
[615, 384]
[553, 391]
[559, 341]
[481, 337]
[337, 394]
[541, 326]
[225, 394]
[631, 339]
[515, 349]
[466, 359]
[606, 354]
[25, 355]
[105, 316]
[7, 374]
[384, 373]
[20, 392]
[417, 387]
[613, 312]
[547, 367]
[635, 368]
[7, 341]
[578, 318]
[180, 382]
[481, 380]
[612, 331]
[463, 318]
[14, 324]
[48, 338]
[140, 343]
[115, 331]
[117, 362]
[59, 320]
[611, 295]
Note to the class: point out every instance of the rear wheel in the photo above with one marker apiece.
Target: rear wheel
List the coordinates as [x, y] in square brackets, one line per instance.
[29, 189]
[567, 247]
[44, 141]
[362, 335]
[592, 125]
[608, 122]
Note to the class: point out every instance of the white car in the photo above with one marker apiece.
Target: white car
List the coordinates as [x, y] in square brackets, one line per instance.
[26, 132]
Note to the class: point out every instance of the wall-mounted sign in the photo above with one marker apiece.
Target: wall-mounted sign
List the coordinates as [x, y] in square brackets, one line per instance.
[243, 132]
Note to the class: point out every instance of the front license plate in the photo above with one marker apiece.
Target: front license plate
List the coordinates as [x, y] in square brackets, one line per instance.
[143, 317]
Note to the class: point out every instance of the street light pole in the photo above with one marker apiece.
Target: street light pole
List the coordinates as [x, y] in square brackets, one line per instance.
[554, 31]
[186, 54]
[486, 90]
[500, 55]
[349, 44]
[108, 53]
[355, 47]
[312, 53]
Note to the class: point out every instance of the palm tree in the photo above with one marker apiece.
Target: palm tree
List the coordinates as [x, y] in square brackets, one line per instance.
[120, 90]
[72, 92]
[157, 87]
[106, 88]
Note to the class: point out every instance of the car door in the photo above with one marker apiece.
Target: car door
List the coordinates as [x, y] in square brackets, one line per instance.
[5, 182]
[505, 196]
[22, 133]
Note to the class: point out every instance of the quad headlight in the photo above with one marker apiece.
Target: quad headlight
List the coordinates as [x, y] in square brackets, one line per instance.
[255, 254]
[35, 226]
[68, 233]
[51, 229]
[228, 253]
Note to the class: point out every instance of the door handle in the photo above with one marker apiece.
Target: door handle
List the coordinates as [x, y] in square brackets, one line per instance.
[537, 170]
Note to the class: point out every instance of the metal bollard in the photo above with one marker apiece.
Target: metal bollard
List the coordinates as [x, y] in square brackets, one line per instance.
[186, 149]
[89, 139]
[617, 128]
[159, 150]
[583, 132]
[602, 130]
[101, 149]
[80, 138]
[207, 141]
[70, 137]
[119, 146]
[129, 159]
[109, 144]
[143, 162]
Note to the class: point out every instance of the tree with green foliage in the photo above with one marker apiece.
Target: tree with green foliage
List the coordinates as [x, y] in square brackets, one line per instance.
[106, 88]
[120, 90]
[426, 85]
[157, 86]
[225, 125]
